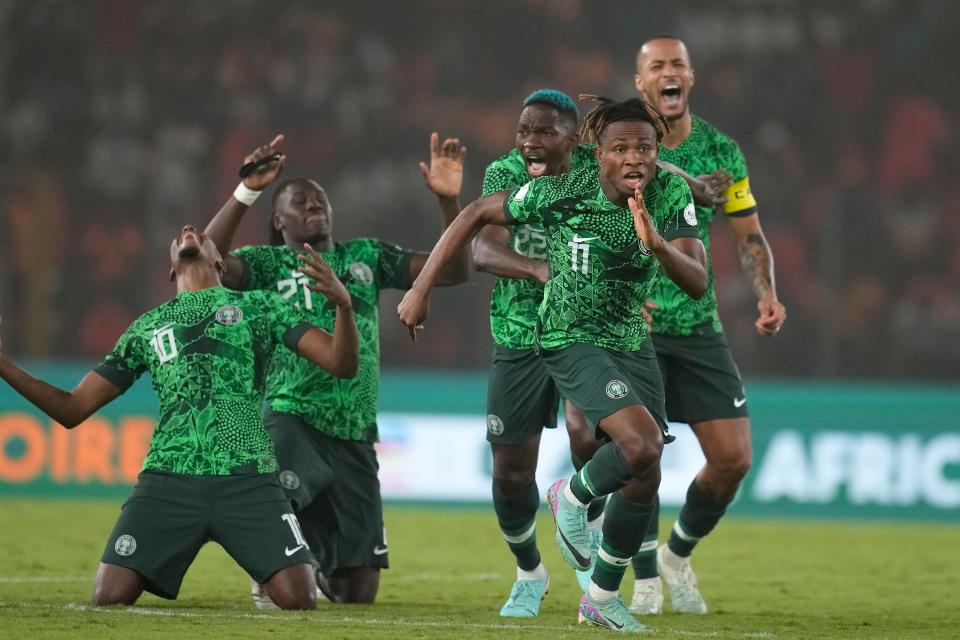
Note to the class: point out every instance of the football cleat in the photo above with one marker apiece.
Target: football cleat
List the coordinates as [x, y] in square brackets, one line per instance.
[525, 598]
[682, 581]
[611, 614]
[571, 534]
[647, 597]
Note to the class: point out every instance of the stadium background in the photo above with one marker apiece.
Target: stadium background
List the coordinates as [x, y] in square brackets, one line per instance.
[121, 120]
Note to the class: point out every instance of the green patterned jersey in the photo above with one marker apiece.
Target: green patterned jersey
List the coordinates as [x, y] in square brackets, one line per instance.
[341, 408]
[705, 150]
[208, 353]
[514, 305]
[600, 272]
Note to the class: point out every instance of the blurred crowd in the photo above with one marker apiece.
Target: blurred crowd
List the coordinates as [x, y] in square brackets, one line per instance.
[121, 120]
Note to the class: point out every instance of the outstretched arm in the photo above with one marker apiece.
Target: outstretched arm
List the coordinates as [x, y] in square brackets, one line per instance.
[224, 224]
[756, 260]
[69, 408]
[444, 177]
[683, 260]
[414, 306]
[492, 254]
[338, 353]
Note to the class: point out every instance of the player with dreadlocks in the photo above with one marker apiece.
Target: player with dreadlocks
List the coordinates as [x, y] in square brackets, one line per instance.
[521, 397]
[609, 231]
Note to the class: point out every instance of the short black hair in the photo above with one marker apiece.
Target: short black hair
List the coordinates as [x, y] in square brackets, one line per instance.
[275, 236]
[610, 111]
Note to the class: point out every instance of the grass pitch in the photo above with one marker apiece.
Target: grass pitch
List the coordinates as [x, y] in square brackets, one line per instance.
[451, 572]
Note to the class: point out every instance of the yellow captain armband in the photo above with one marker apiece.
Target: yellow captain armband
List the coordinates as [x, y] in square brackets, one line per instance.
[740, 200]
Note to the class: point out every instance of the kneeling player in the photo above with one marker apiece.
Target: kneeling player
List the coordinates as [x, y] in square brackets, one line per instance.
[210, 472]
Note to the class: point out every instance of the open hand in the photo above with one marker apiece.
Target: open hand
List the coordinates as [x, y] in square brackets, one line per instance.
[444, 176]
[772, 316]
[325, 281]
[413, 310]
[647, 233]
[712, 187]
[260, 179]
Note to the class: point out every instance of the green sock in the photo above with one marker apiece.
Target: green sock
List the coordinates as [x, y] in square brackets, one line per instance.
[596, 506]
[517, 515]
[645, 562]
[624, 525]
[698, 516]
[606, 472]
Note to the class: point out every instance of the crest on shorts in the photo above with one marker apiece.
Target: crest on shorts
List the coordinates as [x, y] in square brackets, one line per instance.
[617, 389]
[361, 272]
[690, 215]
[125, 545]
[289, 480]
[494, 424]
[229, 315]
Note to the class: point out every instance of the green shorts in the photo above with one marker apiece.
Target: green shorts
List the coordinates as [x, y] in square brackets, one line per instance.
[170, 516]
[700, 378]
[601, 382]
[335, 491]
[521, 396]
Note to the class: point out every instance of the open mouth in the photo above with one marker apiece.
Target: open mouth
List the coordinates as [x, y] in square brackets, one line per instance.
[536, 166]
[633, 179]
[670, 95]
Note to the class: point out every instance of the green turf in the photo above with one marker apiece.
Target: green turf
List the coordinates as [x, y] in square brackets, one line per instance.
[451, 571]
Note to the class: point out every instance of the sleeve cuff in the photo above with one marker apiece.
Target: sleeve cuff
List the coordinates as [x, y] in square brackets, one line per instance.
[292, 335]
[120, 378]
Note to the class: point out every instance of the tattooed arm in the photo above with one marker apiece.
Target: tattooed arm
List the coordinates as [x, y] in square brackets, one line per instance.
[756, 260]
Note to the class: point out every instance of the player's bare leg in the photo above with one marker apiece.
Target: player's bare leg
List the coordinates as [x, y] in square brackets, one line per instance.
[293, 587]
[116, 585]
[356, 585]
[726, 446]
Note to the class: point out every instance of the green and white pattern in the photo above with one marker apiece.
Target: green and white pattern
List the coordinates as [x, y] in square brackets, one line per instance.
[340, 408]
[600, 273]
[514, 305]
[705, 150]
[208, 353]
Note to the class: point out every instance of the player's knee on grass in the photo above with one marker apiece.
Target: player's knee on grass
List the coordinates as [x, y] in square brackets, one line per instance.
[116, 585]
[293, 588]
[358, 585]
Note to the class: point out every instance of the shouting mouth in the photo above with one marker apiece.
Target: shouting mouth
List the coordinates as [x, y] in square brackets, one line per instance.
[536, 166]
[670, 95]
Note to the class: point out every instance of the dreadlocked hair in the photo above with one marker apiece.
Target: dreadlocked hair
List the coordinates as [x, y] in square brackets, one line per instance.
[610, 111]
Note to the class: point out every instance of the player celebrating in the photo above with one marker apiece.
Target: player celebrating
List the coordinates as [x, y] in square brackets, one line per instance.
[702, 383]
[521, 396]
[324, 428]
[206, 351]
[608, 232]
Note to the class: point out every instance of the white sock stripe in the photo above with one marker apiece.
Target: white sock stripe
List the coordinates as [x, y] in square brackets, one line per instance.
[523, 537]
[609, 559]
[677, 529]
[585, 481]
[648, 546]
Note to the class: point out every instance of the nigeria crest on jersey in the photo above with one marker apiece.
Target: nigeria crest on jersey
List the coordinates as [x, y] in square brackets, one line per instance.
[361, 272]
[229, 315]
